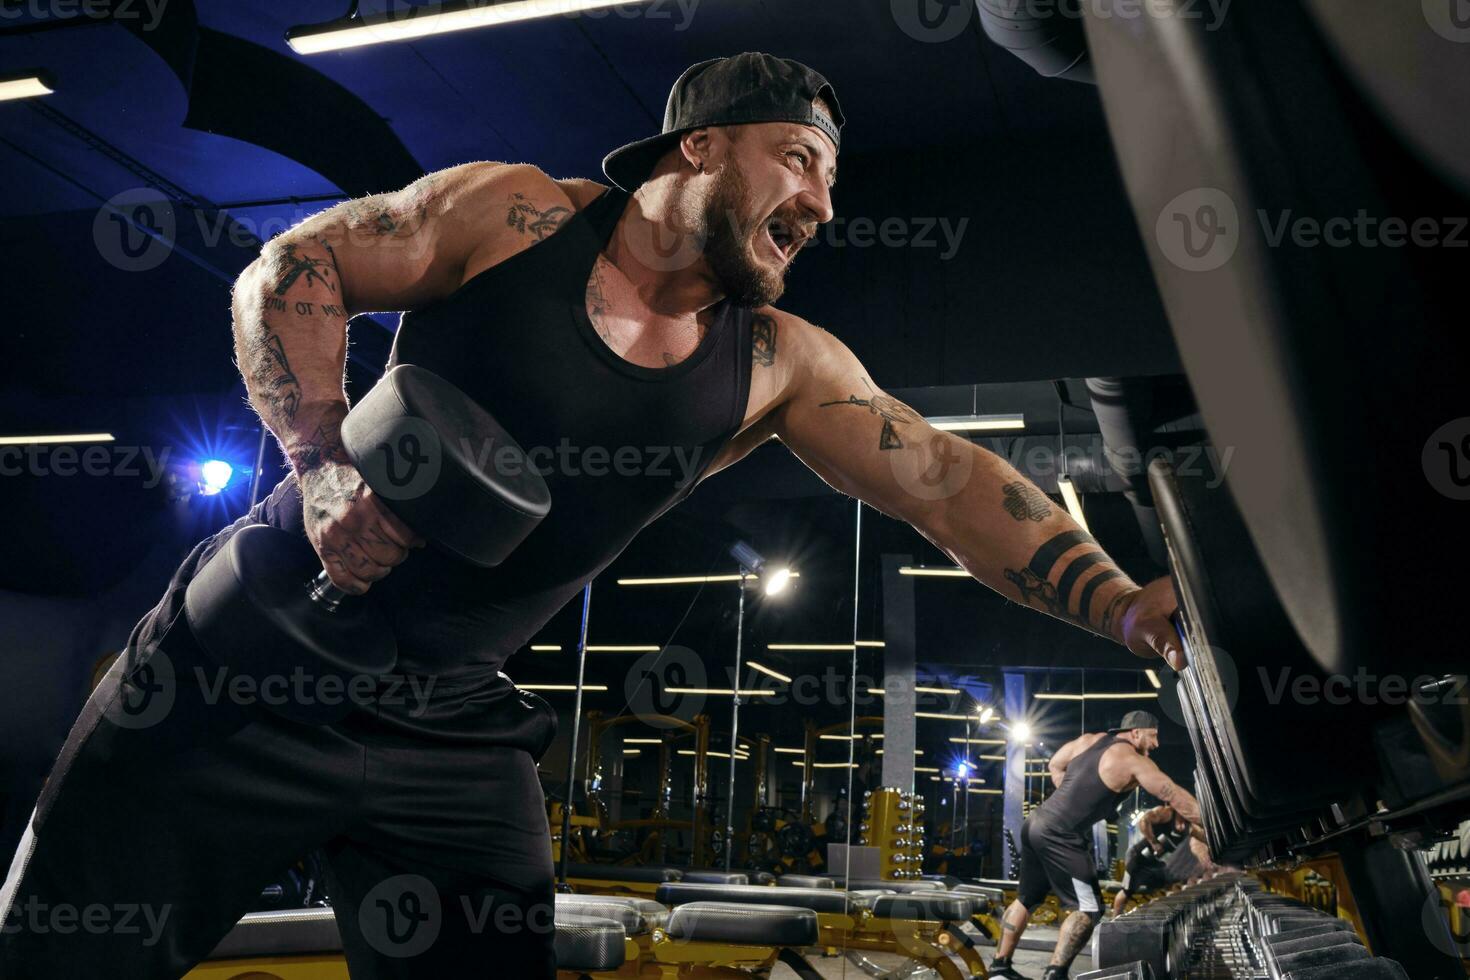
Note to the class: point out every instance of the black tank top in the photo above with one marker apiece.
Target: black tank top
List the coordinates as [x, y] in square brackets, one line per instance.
[619, 444]
[1083, 798]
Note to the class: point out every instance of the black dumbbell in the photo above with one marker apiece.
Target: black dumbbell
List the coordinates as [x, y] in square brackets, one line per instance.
[264, 607]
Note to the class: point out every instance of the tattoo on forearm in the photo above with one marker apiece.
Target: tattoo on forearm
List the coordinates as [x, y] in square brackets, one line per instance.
[1035, 586]
[322, 447]
[893, 412]
[763, 335]
[1025, 503]
[527, 219]
[282, 389]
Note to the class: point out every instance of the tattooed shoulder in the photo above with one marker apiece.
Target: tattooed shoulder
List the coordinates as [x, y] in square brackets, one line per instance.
[534, 219]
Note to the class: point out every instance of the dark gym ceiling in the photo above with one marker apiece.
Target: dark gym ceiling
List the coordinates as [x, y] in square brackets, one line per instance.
[210, 107]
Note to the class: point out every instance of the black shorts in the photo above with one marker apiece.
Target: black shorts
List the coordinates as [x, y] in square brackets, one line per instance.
[1058, 862]
[1142, 875]
[166, 814]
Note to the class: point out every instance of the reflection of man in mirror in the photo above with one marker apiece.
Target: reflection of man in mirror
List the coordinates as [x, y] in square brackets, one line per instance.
[1146, 869]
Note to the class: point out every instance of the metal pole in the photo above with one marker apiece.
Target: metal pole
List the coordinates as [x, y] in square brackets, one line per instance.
[965, 840]
[734, 728]
[566, 809]
[255, 476]
[857, 580]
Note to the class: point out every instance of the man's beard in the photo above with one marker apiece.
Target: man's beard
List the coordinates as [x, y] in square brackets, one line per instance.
[728, 249]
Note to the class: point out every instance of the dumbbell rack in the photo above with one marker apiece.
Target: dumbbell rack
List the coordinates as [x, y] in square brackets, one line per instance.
[1220, 950]
[893, 822]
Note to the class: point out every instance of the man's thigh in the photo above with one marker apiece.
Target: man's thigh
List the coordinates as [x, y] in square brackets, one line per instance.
[449, 871]
[1070, 871]
[404, 919]
[162, 818]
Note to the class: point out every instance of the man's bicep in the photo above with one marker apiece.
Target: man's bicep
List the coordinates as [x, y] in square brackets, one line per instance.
[864, 441]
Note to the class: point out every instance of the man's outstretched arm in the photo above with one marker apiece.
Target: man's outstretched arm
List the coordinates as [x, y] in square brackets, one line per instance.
[971, 503]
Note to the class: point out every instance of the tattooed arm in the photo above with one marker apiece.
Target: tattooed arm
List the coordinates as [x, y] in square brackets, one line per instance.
[386, 252]
[971, 503]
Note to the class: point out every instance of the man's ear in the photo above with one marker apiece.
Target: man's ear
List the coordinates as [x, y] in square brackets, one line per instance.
[695, 148]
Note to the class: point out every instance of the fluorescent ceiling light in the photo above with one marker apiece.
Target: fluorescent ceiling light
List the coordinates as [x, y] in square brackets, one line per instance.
[27, 86]
[791, 751]
[545, 647]
[1101, 696]
[836, 647]
[632, 752]
[718, 690]
[941, 717]
[925, 769]
[55, 440]
[562, 687]
[1074, 502]
[767, 671]
[622, 649]
[977, 423]
[934, 572]
[405, 24]
[870, 643]
[689, 579]
[977, 741]
[715, 755]
[992, 758]
[1153, 678]
[642, 741]
[916, 752]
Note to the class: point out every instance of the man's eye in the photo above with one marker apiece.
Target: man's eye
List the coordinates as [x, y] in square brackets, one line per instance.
[800, 157]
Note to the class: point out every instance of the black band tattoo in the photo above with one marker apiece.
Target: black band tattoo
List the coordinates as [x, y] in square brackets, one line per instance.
[1026, 503]
[1034, 586]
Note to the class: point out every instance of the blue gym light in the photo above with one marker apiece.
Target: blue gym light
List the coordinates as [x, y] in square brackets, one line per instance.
[214, 476]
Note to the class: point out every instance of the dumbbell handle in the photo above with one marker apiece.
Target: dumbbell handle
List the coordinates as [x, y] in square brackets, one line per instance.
[324, 592]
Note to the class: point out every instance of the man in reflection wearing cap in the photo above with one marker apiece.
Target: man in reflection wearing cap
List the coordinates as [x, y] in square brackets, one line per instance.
[1093, 774]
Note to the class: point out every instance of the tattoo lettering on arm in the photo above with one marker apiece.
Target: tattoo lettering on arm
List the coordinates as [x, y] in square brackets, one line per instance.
[893, 412]
[527, 219]
[1026, 503]
[763, 334]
